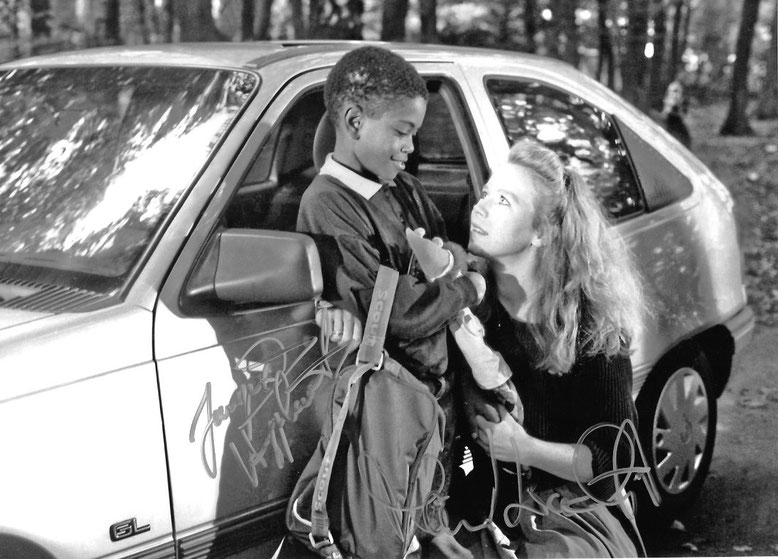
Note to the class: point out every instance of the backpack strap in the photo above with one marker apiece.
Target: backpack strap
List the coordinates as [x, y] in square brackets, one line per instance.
[369, 357]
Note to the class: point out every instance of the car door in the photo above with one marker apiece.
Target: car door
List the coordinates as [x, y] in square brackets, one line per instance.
[243, 386]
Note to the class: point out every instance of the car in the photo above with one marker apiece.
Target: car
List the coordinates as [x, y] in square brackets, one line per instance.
[163, 381]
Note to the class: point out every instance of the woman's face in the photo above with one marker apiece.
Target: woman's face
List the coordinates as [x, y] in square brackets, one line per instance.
[501, 221]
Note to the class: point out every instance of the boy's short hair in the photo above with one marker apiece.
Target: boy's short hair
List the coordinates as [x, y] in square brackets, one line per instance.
[371, 76]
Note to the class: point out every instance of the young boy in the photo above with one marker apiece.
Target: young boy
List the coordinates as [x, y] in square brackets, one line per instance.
[357, 210]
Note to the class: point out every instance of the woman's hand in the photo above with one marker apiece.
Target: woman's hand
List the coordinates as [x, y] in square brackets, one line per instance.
[503, 435]
[342, 327]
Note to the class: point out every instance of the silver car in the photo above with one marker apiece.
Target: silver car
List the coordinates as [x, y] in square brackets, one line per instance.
[161, 379]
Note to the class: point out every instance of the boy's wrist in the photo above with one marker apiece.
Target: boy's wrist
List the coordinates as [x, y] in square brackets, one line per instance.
[468, 290]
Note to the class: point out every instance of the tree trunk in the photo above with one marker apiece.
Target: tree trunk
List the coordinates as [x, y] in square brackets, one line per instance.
[247, 16]
[298, 23]
[566, 31]
[155, 22]
[605, 52]
[737, 123]
[634, 67]
[768, 102]
[675, 41]
[39, 19]
[428, 14]
[144, 28]
[393, 20]
[196, 21]
[112, 29]
[686, 24]
[530, 24]
[656, 84]
[503, 23]
[263, 23]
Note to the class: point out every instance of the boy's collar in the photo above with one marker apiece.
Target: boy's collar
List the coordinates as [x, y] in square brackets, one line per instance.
[356, 182]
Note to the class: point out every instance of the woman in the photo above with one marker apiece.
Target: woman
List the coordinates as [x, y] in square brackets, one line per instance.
[562, 304]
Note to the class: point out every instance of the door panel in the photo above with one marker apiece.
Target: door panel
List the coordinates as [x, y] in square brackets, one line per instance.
[244, 389]
[239, 414]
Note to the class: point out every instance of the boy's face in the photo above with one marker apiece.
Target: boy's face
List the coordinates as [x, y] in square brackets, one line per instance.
[386, 139]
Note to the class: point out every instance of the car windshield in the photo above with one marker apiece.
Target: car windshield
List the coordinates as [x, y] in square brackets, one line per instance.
[93, 160]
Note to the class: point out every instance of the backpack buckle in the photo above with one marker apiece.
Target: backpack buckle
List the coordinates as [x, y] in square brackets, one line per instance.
[329, 540]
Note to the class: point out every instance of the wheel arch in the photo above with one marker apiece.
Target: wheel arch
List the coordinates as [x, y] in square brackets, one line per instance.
[13, 546]
[718, 346]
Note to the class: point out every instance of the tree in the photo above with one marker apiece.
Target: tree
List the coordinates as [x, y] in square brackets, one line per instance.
[429, 20]
[112, 29]
[605, 51]
[263, 23]
[768, 101]
[675, 40]
[633, 71]
[142, 24]
[566, 31]
[196, 21]
[530, 24]
[247, 16]
[657, 84]
[39, 19]
[393, 20]
[298, 23]
[736, 123]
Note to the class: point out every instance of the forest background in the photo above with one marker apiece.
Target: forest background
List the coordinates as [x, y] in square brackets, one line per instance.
[723, 52]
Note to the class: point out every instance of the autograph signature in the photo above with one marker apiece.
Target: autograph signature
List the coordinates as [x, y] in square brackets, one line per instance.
[626, 439]
[269, 382]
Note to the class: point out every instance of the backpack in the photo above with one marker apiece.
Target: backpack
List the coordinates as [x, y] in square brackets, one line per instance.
[364, 490]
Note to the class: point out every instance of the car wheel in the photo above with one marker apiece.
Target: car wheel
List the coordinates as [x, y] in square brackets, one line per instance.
[677, 412]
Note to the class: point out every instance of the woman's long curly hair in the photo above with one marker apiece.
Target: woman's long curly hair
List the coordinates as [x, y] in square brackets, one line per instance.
[589, 297]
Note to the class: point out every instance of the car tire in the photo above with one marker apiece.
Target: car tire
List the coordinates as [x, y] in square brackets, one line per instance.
[677, 427]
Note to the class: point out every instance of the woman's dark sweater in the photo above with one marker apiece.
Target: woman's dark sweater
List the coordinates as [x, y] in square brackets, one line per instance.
[559, 408]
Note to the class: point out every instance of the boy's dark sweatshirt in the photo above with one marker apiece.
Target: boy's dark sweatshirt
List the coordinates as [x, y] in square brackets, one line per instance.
[357, 226]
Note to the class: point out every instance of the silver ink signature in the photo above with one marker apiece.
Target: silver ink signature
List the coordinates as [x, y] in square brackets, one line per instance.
[265, 384]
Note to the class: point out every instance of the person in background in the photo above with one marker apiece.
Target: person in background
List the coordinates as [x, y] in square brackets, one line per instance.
[674, 106]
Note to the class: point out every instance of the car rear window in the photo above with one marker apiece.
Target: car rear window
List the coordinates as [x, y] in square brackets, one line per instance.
[583, 135]
[93, 159]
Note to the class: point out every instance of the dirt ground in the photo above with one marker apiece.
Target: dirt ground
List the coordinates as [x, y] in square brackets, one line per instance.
[737, 511]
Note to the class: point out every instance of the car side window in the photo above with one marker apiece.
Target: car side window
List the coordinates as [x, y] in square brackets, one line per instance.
[441, 163]
[583, 135]
[269, 194]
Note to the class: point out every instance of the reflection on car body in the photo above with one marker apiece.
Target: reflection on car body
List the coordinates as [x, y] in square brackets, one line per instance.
[162, 374]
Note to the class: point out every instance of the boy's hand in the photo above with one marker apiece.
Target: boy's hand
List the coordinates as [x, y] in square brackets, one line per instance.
[434, 260]
[340, 325]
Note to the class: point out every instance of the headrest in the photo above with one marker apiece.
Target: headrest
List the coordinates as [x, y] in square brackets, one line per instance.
[323, 141]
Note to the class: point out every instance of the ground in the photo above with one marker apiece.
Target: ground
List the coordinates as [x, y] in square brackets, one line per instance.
[737, 511]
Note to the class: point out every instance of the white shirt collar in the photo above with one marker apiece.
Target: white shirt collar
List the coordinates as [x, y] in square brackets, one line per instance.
[356, 182]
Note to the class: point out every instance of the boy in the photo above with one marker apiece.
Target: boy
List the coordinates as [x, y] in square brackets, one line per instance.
[357, 210]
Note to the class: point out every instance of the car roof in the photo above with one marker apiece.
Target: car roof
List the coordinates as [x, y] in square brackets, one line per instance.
[253, 55]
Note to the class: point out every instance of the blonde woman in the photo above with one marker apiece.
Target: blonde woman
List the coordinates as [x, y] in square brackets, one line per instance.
[562, 305]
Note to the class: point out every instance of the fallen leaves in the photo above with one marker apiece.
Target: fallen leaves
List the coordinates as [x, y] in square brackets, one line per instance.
[761, 399]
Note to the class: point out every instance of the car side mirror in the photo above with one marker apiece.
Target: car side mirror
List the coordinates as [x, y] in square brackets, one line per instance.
[254, 266]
